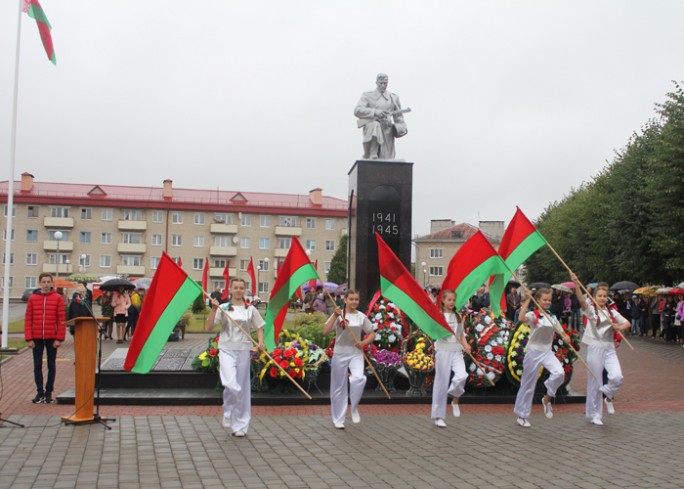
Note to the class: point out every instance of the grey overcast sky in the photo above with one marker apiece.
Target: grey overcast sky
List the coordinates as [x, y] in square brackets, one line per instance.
[514, 102]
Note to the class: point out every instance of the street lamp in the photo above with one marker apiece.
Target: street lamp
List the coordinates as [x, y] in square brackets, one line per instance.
[424, 265]
[58, 237]
[82, 263]
[266, 269]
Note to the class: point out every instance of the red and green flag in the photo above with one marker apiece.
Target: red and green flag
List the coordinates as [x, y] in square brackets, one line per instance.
[253, 277]
[470, 267]
[205, 274]
[35, 11]
[295, 270]
[520, 240]
[169, 296]
[399, 286]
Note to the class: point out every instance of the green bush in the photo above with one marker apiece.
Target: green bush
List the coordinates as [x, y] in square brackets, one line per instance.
[310, 327]
[199, 304]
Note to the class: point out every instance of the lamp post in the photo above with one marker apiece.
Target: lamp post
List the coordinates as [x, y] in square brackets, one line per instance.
[58, 237]
[266, 270]
[258, 278]
[424, 265]
[82, 263]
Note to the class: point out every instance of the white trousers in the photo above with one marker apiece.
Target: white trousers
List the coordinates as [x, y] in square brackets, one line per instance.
[599, 359]
[445, 363]
[341, 362]
[534, 359]
[237, 393]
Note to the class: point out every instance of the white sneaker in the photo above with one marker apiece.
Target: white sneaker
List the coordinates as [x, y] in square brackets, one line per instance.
[339, 426]
[597, 421]
[456, 409]
[226, 422]
[239, 434]
[356, 417]
[523, 422]
[548, 409]
[610, 407]
[439, 423]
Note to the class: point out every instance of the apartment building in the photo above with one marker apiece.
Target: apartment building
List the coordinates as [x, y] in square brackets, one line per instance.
[65, 228]
[435, 250]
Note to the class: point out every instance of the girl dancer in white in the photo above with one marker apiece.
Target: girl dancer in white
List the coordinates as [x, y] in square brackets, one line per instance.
[538, 353]
[602, 323]
[449, 358]
[348, 355]
[234, 348]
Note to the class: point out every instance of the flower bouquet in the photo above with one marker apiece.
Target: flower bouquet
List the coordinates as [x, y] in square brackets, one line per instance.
[419, 362]
[488, 338]
[388, 325]
[208, 360]
[386, 365]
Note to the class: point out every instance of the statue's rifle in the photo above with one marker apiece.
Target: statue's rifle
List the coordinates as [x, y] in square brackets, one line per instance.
[367, 120]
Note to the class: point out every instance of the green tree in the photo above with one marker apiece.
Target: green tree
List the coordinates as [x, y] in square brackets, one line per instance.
[338, 264]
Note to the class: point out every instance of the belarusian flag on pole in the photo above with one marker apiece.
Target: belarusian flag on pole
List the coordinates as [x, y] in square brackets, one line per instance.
[205, 274]
[170, 295]
[296, 270]
[399, 286]
[470, 267]
[35, 11]
[518, 243]
[252, 276]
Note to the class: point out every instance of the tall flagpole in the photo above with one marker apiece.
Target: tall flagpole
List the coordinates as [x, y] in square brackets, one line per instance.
[10, 188]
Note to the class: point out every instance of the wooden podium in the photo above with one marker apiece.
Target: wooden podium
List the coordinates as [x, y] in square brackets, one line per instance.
[85, 351]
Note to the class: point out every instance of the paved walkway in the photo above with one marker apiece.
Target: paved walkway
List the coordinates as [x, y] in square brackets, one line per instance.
[394, 446]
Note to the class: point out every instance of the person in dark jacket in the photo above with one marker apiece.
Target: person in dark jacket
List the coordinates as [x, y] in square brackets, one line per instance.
[79, 306]
[45, 329]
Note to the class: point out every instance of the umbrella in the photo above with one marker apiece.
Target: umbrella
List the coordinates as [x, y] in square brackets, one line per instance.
[331, 286]
[83, 277]
[570, 285]
[115, 283]
[562, 288]
[142, 283]
[62, 283]
[514, 282]
[677, 291]
[664, 290]
[681, 286]
[592, 285]
[342, 288]
[624, 285]
[648, 290]
[539, 285]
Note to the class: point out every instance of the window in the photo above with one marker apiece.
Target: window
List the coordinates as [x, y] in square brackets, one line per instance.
[264, 243]
[177, 217]
[132, 214]
[310, 223]
[436, 271]
[11, 258]
[32, 258]
[223, 218]
[131, 238]
[106, 215]
[219, 263]
[176, 240]
[84, 260]
[2, 282]
[245, 243]
[54, 258]
[86, 213]
[263, 265]
[198, 241]
[105, 261]
[4, 234]
[157, 217]
[436, 252]
[65, 235]
[31, 235]
[287, 221]
[265, 221]
[326, 266]
[197, 263]
[156, 240]
[246, 219]
[14, 210]
[311, 244]
[154, 262]
[84, 236]
[31, 283]
[222, 240]
[263, 288]
[59, 211]
[32, 211]
[199, 218]
[243, 265]
[330, 224]
[284, 243]
[329, 245]
[106, 238]
[131, 260]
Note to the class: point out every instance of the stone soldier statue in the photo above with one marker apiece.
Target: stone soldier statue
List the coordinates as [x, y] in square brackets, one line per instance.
[381, 117]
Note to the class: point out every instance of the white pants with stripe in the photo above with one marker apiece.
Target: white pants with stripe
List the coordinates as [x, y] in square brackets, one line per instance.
[445, 363]
[237, 393]
[339, 380]
[599, 359]
[534, 360]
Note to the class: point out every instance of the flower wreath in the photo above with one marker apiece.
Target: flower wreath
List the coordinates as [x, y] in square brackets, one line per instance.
[487, 336]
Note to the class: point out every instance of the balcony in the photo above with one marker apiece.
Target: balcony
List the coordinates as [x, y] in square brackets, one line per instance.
[51, 245]
[222, 250]
[218, 272]
[132, 225]
[64, 268]
[288, 231]
[281, 252]
[138, 270]
[58, 222]
[136, 248]
[218, 228]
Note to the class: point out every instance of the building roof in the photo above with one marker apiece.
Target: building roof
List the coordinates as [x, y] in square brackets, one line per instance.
[182, 198]
[459, 233]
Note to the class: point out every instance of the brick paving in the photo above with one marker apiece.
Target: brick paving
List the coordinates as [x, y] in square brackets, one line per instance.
[394, 446]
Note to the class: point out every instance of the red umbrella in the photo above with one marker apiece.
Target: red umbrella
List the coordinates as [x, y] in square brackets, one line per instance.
[676, 291]
[569, 284]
